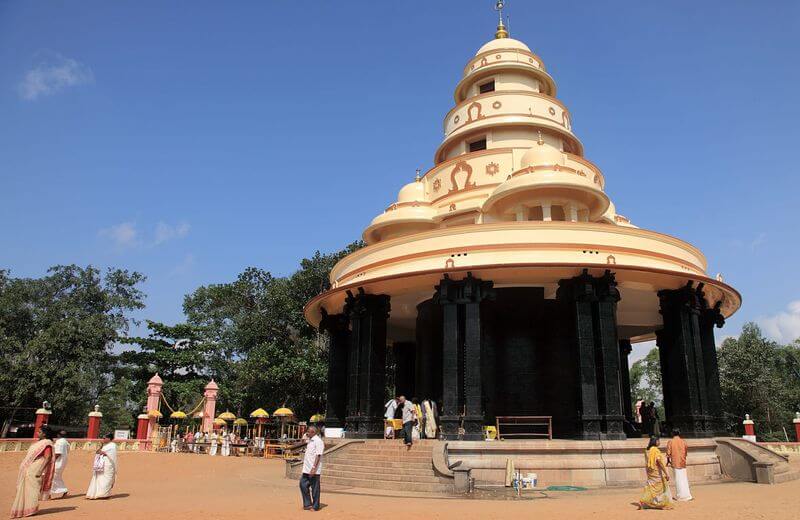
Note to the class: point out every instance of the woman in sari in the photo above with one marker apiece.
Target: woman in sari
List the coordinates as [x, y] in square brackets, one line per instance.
[35, 476]
[104, 470]
[656, 493]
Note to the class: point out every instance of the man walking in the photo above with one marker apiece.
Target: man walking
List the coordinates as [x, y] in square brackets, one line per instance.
[312, 468]
[676, 457]
[409, 416]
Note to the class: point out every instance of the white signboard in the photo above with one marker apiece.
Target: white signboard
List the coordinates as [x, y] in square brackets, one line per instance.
[121, 434]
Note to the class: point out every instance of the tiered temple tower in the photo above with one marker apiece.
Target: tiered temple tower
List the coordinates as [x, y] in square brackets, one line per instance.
[506, 282]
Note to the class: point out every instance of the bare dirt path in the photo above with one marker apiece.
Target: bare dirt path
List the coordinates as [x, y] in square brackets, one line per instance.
[181, 486]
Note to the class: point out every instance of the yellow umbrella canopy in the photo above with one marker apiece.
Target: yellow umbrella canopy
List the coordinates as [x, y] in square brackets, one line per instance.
[220, 422]
[260, 413]
[317, 417]
[177, 415]
[155, 413]
[240, 422]
[226, 416]
[282, 412]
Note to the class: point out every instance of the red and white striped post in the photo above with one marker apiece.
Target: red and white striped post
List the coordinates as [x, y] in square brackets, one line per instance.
[42, 416]
[93, 432]
[749, 428]
[796, 422]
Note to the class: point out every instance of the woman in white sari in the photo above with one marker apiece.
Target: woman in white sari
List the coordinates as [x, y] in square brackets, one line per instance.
[104, 470]
[226, 443]
[61, 448]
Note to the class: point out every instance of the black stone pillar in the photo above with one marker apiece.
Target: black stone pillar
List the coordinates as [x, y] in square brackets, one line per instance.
[368, 316]
[681, 354]
[404, 369]
[710, 318]
[577, 296]
[625, 350]
[336, 325]
[608, 363]
[428, 373]
[462, 400]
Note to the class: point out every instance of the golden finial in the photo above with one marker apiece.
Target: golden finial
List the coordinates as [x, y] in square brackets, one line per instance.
[416, 177]
[501, 32]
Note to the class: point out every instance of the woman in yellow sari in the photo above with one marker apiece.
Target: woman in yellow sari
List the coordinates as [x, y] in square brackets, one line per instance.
[35, 476]
[656, 493]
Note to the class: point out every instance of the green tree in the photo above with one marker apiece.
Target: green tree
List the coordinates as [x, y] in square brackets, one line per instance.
[257, 321]
[184, 357]
[646, 381]
[756, 378]
[57, 334]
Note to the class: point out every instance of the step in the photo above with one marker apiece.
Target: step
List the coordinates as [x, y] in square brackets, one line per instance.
[386, 484]
[384, 463]
[389, 449]
[397, 470]
[786, 476]
[411, 479]
[399, 455]
[379, 459]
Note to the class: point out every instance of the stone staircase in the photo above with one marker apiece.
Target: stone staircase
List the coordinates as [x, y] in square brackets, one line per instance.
[388, 465]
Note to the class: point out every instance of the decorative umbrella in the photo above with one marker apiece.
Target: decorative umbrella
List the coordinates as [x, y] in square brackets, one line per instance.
[219, 422]
[226, 416]
[261, 416]
[283, 414]
[155, 413]
[179, 415]
[317, 418]
[238, 423]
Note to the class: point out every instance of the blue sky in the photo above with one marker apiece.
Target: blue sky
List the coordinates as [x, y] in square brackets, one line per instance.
[189, 140]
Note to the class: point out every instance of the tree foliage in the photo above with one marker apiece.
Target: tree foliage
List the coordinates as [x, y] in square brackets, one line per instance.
[759, 377]
[646, 383]
[57, 334]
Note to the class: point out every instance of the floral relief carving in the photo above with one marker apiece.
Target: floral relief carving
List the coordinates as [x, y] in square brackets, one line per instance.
[492, 168]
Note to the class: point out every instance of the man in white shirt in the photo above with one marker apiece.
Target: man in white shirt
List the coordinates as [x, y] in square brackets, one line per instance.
[312, 468]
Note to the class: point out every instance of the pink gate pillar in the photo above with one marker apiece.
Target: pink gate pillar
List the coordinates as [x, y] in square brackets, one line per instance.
[153, 401]
[93, 432]
[796, 422]
[42, 416]
[212, 389]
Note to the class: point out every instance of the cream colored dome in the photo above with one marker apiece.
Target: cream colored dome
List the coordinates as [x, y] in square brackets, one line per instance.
[502, 43]
[540, 154]
[411, 192]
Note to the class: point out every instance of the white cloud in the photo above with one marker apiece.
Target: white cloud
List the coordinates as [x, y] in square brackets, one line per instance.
[124, 235]
[165, 232]
[783, 327]
[127, 236]
[52, 74]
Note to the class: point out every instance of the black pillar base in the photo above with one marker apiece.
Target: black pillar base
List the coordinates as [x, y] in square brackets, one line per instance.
[589, 428]
[364, 428]
[449, 425]
[694, 426]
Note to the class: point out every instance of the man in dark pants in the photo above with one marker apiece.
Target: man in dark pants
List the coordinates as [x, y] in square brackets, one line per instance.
[409, 416]
[312, 468]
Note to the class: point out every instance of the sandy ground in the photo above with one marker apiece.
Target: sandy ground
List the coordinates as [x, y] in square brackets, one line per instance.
[182, 486]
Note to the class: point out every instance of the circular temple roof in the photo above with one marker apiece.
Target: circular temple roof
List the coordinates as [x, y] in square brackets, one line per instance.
[502, 43]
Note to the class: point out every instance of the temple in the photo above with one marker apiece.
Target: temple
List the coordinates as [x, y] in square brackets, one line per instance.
[505, 283]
